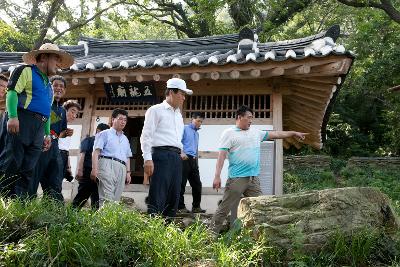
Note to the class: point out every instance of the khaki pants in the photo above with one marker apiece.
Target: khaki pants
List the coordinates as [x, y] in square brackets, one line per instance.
[234, 189]
[111, 175]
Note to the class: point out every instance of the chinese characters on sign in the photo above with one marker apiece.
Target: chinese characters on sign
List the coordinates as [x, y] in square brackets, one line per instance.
[133, 92]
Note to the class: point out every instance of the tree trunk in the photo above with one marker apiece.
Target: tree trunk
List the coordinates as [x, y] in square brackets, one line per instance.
[54, 8]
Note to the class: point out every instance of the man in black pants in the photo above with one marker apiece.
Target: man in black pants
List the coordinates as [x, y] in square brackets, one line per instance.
[190, 164]
[161, 143]
[27, 121]
[87, 187]
[48, 170]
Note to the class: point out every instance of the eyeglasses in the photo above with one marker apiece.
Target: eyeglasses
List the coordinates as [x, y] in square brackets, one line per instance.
[122, 119]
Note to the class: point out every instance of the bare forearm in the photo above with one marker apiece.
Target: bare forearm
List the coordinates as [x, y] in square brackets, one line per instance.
[220, 163]
[95, 159]
[128, 165]
[280, 134]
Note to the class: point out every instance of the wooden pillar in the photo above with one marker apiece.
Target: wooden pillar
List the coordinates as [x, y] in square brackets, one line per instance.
[277, 122]
[88, 113]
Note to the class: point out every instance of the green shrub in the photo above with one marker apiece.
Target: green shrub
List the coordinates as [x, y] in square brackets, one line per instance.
[42, 232]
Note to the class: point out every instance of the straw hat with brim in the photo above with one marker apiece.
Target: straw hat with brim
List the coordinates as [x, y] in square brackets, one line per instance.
[66, 60]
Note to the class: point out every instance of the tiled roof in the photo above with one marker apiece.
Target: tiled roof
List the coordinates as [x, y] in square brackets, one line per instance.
[97, 55]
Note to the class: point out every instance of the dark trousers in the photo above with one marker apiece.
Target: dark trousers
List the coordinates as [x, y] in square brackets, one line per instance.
[190, 172]
[87, 188]
[20, 154]
[165, 183]
[48, 173]
[64, 161]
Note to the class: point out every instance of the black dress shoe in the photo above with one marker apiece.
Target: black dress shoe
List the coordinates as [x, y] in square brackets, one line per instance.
[198, 210]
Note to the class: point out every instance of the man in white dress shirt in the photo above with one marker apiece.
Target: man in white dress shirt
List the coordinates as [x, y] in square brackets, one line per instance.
[161, 143]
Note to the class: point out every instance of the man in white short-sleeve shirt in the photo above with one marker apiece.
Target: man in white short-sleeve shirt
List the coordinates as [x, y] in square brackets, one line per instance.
[241, 145]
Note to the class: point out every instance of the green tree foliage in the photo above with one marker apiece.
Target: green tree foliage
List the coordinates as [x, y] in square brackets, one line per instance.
[366, 116]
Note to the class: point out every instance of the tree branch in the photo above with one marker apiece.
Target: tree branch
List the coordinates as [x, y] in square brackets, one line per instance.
[385, 5]
[82, 23]
[54, 8]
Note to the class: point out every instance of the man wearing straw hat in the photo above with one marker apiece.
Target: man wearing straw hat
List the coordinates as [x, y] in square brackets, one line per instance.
[27, 123]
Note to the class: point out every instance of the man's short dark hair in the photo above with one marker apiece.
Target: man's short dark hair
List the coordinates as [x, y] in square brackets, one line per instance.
[118, 111]
[58, 78]
[3, 78]
[102, 127]
[196, 115]
[242, 111]
[175, 90]
[71, 103]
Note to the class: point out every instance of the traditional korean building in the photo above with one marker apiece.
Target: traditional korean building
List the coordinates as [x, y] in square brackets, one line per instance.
[290, 85]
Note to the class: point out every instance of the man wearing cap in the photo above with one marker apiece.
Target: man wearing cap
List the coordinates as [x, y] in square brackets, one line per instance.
[29, 98]
[161, 143]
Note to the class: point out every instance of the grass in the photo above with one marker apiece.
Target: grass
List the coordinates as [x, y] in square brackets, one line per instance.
[44, 233]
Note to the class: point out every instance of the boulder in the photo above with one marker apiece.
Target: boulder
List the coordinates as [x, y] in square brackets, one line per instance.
[312, 217]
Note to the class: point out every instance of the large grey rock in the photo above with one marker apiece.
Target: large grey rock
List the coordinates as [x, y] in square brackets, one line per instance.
[312, 217]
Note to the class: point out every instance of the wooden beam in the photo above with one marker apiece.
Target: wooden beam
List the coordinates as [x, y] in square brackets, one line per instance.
[107, 79]
[286, 145]
[328, 68]
[318, 100]
[307, 103]
[139, 78]
[294, 142]
[311, 92]
[296, 117]
[196, 76]
[306, 84]
[278, 71]
[156, 77]
[324, 80]
[92, 80]
[304, 113]
[303, 69]
[235, 74]
[277, 123]
[75, 81]
[255, 73]
[214, 75]
[306, 106]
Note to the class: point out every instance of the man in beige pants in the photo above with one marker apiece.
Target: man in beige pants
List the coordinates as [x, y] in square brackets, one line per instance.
[110, 159]
[242, 146]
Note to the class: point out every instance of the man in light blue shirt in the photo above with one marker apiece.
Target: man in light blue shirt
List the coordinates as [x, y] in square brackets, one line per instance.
[110, 159]
[190, 166]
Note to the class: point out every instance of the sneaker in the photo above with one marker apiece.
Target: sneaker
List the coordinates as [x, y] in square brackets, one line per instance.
[183, 210]
[198, 210]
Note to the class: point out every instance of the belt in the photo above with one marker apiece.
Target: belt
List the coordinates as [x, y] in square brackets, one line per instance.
[120, 161]
[168, 148]
[35, 115]
[190, 157]
[64, 151]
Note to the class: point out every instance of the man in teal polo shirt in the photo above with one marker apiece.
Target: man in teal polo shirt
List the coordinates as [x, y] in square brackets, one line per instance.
[241, 144]
[29, 98]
